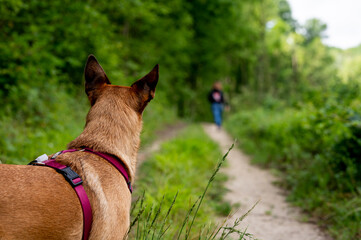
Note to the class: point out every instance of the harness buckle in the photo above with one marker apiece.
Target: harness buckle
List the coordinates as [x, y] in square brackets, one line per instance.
[71, 176]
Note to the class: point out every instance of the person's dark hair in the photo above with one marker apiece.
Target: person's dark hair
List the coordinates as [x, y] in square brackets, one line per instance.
[217, 85]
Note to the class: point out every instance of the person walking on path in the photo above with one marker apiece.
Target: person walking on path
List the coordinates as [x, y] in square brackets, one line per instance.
[216, 99]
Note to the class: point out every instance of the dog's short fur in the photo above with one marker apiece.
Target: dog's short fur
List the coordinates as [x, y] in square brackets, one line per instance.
[37, 203]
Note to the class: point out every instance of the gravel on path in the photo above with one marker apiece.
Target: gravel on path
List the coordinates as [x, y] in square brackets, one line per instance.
[273, 218]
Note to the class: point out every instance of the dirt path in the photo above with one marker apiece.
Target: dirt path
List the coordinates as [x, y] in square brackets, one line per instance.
[272, 218]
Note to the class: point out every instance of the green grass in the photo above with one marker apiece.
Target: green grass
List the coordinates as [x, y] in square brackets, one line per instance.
[155, 117]
[182, 198]
[26, 136]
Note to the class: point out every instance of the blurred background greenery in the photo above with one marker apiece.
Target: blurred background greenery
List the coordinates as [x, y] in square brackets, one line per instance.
[290, 95]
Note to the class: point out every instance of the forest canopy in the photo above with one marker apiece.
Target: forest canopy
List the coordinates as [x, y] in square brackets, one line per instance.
[252, 46]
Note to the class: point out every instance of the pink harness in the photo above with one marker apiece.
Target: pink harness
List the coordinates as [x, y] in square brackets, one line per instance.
[76, 182]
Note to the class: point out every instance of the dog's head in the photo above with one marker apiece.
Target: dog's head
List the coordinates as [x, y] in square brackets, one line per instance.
[99, 88]
[114, 121]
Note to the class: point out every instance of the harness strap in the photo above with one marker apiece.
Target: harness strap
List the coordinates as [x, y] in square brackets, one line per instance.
[74, 180]
[87, 211]
[116, 163]
[112, 160]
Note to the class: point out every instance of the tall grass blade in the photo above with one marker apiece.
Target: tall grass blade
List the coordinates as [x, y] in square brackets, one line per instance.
[206, 189]
[161, 233]
[156, 216]
[140, 212]
[236, 223]
[186, 219]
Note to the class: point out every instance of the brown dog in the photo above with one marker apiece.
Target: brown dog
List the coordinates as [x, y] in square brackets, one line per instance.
[38, 203]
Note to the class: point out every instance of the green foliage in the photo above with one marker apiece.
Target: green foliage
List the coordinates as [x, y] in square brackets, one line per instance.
[155, 117]
[195, 42]
[284, 11]
[46, 128]
[349, 64]
[314, 28]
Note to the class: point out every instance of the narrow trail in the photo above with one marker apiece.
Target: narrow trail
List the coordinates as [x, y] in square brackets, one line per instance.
[273, 218]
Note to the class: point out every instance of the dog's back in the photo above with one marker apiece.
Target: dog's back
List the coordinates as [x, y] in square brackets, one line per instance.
[36, 203]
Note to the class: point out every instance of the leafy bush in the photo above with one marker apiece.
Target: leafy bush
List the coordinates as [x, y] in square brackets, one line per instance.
[47, 128]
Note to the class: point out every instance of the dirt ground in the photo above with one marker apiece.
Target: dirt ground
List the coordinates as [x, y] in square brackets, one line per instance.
[273, 218]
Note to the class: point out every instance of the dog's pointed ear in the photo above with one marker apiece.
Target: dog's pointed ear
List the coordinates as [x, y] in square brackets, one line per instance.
[145, 87]
[95, 77]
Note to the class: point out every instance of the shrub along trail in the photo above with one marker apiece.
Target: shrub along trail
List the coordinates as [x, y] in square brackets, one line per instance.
[272, 218]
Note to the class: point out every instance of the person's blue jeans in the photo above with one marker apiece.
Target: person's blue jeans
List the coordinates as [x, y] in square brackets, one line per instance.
[217, 109]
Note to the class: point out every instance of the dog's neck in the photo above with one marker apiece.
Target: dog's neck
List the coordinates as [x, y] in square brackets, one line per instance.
[112, 132]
